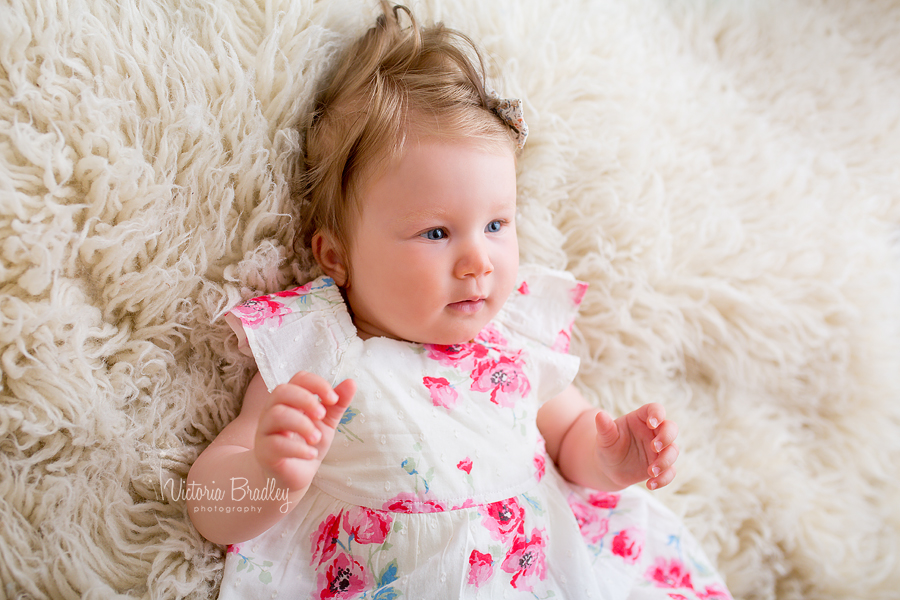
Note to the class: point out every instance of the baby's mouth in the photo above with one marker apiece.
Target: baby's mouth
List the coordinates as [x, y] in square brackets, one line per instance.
[467, 306]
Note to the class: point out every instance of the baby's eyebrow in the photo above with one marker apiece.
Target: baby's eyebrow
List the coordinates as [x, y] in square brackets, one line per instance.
[437, 214]
[417, 217]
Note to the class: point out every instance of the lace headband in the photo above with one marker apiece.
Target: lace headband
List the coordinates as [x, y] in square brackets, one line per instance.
[510, 111]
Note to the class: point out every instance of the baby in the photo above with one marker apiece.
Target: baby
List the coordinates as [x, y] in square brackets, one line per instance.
[413, 431]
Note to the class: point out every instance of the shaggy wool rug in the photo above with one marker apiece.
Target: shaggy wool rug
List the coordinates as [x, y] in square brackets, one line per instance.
[725, 175]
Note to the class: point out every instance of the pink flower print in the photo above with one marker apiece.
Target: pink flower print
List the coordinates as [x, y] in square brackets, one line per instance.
[367, 526]
[503, 378]
[525, 560]
[325, 538]
[523, 289]
[465, 465]
[345, 577]
[504, 519]
[442, 393]
[604, 500]
[459, 356]
[409, 503]
[490, 336]
[233, 549]
[670, 574]
[294, 292]
[562, 341]
[576, 294]
[592, 526]
[481, 568]
[539, 465]
[628, 544]
[253, 313]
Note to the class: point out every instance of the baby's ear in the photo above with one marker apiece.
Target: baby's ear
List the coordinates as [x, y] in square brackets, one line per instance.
[330, 257]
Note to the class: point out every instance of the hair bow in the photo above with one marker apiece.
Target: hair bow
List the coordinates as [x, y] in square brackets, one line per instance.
[510, 112]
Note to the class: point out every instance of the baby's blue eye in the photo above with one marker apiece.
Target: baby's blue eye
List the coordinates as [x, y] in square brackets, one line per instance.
[494, 226]
[434, 234]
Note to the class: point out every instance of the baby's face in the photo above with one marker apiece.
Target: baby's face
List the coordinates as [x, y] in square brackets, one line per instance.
[434, 253]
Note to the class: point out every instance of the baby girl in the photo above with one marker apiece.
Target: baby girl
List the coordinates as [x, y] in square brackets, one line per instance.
[413, 431]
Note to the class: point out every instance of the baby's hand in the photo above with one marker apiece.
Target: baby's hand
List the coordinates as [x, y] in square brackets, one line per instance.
[297, 426]
[638, 445]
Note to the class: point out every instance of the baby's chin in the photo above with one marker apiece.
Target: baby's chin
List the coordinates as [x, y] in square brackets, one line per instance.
[447, 332]
[454, 337]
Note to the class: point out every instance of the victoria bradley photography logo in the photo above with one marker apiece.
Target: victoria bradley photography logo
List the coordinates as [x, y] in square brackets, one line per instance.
[236, 491]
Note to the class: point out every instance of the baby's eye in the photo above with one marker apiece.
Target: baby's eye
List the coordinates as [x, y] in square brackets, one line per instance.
[494, 226]
[435, 234]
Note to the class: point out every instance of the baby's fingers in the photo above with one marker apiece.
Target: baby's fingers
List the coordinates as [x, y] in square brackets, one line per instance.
[291, 423]
[664, 479]
[663, 462]
[666, 433]
[316, 385]
[274, 448]
[662, 470]
[345, 392]
[299, 398]
[652, 414]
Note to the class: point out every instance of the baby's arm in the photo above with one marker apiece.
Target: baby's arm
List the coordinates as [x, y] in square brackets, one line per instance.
[593, 450]
[278, 438]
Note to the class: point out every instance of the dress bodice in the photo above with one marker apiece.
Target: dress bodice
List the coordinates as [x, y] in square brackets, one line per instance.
[431, 428]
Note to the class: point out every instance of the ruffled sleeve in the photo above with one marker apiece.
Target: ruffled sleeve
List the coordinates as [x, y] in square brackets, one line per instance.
[540, 313]
[307, 328]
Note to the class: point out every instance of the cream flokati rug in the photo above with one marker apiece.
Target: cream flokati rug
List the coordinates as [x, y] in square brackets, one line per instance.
[725, 175]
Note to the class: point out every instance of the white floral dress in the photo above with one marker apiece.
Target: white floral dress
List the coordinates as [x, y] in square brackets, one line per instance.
[437, 485]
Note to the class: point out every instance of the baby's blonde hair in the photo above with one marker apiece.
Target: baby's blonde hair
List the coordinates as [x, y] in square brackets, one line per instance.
[394, 83]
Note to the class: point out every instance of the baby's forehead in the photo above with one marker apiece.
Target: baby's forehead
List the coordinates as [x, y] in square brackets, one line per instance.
[442, 177]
